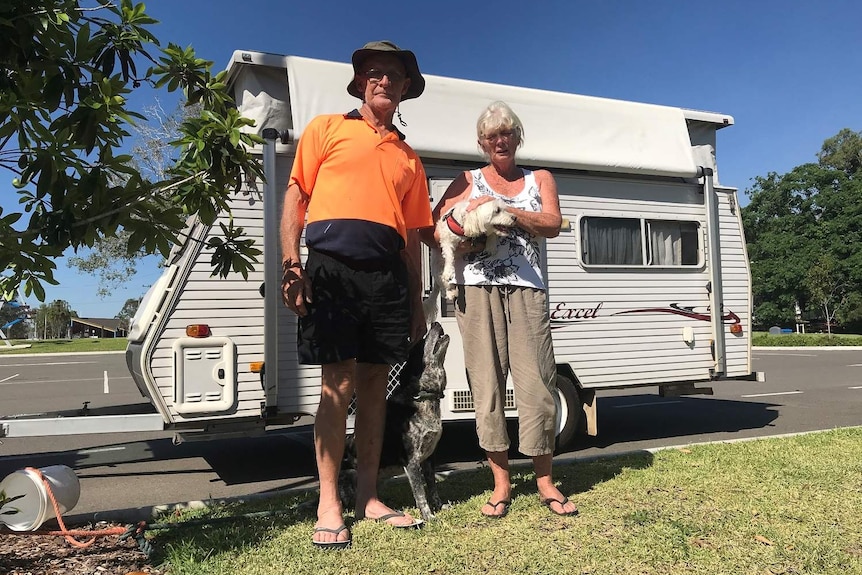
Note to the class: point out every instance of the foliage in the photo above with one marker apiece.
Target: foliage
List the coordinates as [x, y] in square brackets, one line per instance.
[67, 71]
[53, 320]
[826, 286]
[153, 156]
[798, 221]
[110, 261]
[763, 339]
[128, 312]
[5, 500]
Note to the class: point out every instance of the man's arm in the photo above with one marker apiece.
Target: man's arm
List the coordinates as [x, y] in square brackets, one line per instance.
[295, 287]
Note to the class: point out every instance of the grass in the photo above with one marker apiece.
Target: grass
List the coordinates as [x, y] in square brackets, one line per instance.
[765, 339]
[66, 345]
[773, 506]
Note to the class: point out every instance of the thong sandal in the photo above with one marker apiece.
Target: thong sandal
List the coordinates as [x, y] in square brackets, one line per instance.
[332, 544]
[506, 503]
[550, 500]
[417, 523]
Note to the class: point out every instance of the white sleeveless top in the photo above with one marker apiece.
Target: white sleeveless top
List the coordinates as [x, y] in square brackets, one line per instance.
[514, 260]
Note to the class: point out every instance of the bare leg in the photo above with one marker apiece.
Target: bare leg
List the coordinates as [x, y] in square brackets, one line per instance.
[547, 490]
[330, 428]
[371, 380]
[499, 463]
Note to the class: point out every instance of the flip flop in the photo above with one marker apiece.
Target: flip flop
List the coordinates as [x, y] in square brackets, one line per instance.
[547, 503]
[332, 544]
[506, 503]
[417, 523]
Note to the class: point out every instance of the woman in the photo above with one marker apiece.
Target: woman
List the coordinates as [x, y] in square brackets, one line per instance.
[502, 311]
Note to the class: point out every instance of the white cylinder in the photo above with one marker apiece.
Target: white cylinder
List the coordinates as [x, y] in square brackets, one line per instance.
[34, 507]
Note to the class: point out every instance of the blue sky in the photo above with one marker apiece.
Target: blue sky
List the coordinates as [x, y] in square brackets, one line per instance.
[787, 71]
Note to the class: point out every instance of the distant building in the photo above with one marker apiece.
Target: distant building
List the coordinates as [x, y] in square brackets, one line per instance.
[97, 327]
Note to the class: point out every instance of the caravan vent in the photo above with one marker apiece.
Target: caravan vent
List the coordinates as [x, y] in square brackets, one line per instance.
[462, 400]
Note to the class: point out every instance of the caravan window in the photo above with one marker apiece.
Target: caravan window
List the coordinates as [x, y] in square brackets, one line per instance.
[639, 242]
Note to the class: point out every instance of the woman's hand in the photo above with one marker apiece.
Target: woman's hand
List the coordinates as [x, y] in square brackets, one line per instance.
[476, 202]
[471, 245]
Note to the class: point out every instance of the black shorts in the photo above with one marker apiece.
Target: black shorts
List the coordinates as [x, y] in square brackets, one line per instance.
[358, 310]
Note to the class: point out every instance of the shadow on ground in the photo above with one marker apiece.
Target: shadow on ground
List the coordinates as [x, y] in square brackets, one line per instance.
[288, 453]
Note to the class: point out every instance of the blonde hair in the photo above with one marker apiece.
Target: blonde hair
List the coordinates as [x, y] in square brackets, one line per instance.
[496, 117]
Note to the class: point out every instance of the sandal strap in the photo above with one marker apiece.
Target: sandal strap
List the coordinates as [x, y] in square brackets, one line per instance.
[334, 531]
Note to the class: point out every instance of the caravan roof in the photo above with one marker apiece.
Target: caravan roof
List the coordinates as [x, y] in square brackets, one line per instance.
[561, 130]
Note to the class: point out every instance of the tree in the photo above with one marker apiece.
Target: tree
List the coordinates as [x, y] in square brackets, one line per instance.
[53, 320]
[66, 73]
[827, 287]
[804, 228]
[152, 155]
[130, 308]
[843, 151]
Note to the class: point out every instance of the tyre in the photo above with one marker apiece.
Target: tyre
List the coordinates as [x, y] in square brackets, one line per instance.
[569, 412]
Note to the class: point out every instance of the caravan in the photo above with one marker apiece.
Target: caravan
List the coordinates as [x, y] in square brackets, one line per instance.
[648, 280]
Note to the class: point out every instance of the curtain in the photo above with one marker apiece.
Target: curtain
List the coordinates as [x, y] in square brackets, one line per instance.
[613, 241]
[673, 243]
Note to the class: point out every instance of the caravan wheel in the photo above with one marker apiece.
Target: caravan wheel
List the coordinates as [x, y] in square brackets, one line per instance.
[568, 412]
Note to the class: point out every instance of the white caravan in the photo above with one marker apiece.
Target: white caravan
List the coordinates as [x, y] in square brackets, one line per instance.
[648, 280]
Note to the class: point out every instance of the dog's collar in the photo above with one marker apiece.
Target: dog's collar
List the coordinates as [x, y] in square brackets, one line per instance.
[427, 396]
[454, 226]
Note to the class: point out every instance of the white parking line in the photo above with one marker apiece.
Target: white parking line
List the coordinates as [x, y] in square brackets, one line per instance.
[770, 354]
[100, 450]
[771, 394]
[41, 364]
[31, 382]
[855, 365]
[855, 387]
[10, 377]
[646, 404]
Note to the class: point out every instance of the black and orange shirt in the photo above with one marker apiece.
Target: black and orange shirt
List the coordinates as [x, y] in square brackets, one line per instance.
[364, 191]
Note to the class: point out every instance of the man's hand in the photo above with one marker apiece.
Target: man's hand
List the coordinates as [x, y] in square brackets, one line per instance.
[295, 287]
[418, 329]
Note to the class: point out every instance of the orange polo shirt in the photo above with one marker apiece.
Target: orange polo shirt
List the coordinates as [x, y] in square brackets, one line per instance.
[364, 191]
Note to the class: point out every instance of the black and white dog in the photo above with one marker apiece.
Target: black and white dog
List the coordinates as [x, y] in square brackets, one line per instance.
[413, 425]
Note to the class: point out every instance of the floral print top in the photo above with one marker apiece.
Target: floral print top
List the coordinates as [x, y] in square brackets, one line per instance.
[513, 260]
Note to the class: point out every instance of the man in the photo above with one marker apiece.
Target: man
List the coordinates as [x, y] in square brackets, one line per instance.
[358, 297]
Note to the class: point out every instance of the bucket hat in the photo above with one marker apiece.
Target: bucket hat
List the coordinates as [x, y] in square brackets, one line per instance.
[417, 82]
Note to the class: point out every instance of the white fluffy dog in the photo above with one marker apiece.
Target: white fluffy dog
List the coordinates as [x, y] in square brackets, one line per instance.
[486, 222]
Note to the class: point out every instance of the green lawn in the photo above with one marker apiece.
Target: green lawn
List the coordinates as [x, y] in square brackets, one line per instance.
[765, 339]
[66, 345]
[775, 506]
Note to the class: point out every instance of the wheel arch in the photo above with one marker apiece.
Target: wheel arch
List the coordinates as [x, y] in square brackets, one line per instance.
[587, 398]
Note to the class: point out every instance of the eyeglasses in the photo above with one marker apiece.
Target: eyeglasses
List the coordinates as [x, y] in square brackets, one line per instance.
[504, 135]
[376, 76]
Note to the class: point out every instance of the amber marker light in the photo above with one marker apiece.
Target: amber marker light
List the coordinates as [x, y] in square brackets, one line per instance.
[198, 330]
[255, 366]
[736, 329]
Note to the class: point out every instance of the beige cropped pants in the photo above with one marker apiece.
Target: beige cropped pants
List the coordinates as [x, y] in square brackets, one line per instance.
[507, 328]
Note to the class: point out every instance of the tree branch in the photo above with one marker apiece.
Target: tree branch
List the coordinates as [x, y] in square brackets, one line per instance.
[139, 200]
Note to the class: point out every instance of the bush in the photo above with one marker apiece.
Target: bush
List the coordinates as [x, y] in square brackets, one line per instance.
[803, 339]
